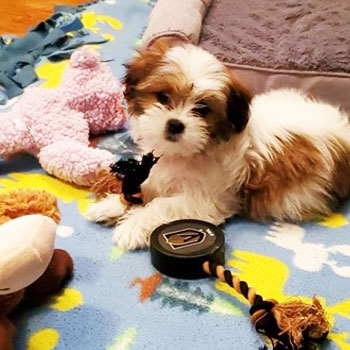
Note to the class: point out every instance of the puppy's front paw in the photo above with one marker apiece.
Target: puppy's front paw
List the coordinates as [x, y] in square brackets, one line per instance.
[131, 235]
[107, 210]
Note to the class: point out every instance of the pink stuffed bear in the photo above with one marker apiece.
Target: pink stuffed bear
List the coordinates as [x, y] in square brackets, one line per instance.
[55, 124]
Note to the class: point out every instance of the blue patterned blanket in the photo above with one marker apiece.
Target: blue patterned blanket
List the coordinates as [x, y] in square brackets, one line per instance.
[118, 301]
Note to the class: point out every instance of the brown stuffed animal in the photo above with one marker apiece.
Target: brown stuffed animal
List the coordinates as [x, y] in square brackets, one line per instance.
[30, 268]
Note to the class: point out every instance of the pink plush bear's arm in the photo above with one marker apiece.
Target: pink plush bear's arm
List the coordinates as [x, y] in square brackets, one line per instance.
[74, 162]
[14, 136]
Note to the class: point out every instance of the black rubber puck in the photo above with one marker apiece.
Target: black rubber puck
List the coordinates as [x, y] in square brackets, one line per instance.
[179, 248]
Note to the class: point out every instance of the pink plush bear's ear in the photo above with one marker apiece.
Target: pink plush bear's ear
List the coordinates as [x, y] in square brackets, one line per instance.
[85, 58]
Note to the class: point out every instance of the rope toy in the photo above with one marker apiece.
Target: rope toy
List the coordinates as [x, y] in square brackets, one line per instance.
[132, 173]
[194, 249]
[125, 177]
[290, 325]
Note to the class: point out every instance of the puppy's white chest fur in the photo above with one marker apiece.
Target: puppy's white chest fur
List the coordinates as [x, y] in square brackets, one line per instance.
[209, 173]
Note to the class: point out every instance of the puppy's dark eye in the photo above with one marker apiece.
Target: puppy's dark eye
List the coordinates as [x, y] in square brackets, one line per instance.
[162, 97]
[202, 109]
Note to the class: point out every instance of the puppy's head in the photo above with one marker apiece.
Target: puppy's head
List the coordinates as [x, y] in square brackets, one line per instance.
[183, 100]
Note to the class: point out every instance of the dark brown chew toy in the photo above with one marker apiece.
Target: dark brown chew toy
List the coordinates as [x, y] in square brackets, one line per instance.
[124, 177]
[193, 249]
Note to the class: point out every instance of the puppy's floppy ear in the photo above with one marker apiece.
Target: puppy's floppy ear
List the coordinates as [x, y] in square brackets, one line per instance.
[142, 65]
[238, 104]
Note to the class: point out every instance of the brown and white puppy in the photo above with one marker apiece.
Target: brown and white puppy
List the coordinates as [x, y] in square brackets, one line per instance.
[280, 155]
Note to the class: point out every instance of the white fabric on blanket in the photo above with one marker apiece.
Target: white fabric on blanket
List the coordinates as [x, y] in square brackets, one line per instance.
[182, 18]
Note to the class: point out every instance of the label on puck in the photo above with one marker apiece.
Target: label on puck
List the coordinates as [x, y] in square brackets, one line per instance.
[186, 237]
[180, 248]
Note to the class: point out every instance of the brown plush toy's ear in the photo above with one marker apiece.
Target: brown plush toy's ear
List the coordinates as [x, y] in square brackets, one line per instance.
[238, 104]
[7, 332]
[8, 303]
[57, 273]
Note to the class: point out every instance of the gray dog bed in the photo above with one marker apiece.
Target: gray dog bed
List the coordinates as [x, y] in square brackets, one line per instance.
[302, 44]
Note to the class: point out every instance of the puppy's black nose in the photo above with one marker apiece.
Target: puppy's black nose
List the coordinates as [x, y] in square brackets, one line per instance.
[174, 126]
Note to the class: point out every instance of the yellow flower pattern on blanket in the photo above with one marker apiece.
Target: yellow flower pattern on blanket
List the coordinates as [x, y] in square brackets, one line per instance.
[51, 73]
[44, 339]
[90, 19]
[250, 267]
[64, 191]
[335, 220]
[341, 339]
[67, 300]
